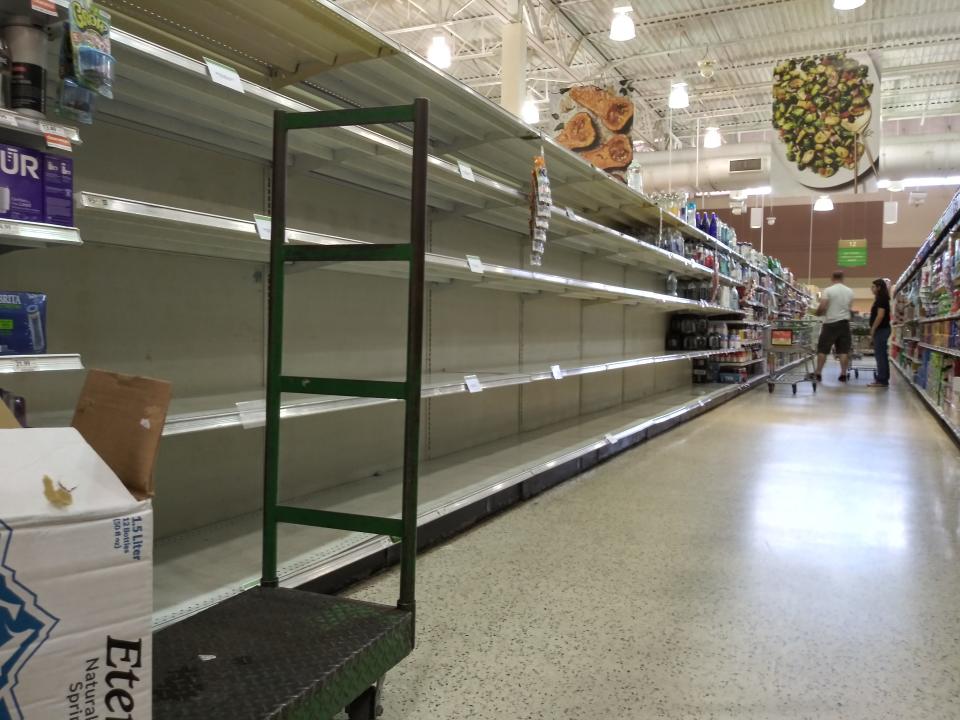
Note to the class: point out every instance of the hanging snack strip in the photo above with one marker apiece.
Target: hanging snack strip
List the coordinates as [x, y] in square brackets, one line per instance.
[541, 203]
[86, 65]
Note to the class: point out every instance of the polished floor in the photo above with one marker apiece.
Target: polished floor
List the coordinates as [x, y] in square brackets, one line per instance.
[780, 557]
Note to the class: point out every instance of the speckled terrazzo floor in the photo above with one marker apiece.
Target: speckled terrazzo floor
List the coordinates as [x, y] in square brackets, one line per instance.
[781, 557]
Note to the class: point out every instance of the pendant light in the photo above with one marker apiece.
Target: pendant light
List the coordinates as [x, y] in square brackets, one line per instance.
[529, 112]
[678, 95]
[439, 52]
[823, 204]
[847, 4]
[712, 138]
[890, 211]
[621, 26]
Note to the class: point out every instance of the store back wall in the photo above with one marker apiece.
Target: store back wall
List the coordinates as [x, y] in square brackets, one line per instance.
[789, 239]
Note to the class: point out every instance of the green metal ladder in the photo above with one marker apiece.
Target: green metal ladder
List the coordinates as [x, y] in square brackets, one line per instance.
[285, 653]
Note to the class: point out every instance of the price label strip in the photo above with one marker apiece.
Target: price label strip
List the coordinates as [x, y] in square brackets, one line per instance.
[224, 75]
[263, 226]
[466, 172]
[24, 365]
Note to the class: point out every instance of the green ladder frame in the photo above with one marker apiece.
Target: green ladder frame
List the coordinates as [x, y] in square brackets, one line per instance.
[409, 390]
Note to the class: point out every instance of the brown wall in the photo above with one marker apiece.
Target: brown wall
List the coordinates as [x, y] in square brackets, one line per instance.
[789, 238]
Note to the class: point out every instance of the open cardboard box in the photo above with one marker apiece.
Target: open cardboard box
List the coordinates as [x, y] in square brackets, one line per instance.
[76, 555]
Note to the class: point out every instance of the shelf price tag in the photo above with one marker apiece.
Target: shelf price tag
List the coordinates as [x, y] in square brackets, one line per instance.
[47, 7]
[224, 75]
[54, 140]
[610, 438]
[9, 228]
[8, 119]
[472, 383]
[263, 226]
[476, 265]
[24, 365]
[253, 413]
[466, 172]
[556, 372]
[570, 213]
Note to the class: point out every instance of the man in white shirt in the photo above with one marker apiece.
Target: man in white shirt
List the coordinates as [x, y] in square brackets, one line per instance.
[836, 304]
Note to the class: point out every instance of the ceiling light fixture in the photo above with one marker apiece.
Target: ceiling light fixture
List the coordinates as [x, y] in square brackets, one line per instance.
[847, 4]
[678, 95]
[439, 52]
[823, 204]
[621, 26]
[529, 112]
[712, 138]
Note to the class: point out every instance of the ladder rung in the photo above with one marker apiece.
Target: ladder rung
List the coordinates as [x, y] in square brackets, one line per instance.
[346, 118]
[348, 252]
[340, 521]
[344, 387]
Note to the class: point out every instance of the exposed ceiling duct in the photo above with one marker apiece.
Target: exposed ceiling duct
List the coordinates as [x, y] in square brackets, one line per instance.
[735, 167]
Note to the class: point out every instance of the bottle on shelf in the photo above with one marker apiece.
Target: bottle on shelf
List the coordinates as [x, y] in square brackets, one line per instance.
[712, 230]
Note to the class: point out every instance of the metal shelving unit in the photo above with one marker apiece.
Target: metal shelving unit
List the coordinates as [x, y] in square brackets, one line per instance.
[518, 434]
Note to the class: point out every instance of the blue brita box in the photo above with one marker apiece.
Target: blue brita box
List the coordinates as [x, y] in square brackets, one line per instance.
[57, 190]
[21, 183]
[23, 323]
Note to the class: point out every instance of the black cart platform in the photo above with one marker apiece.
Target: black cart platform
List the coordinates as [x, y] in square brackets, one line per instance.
[275, 653]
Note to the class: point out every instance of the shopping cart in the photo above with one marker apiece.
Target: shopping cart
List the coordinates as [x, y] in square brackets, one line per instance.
[793, 347]
[860, 348]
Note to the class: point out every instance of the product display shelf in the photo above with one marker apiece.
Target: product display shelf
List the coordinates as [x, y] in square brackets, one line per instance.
[39, 363]
[952, 429]
[939, 318]
[205, 566]
[439, 268]
[948, 219]
[246, 409]
[29, 125]
[954, 352]
[742, 363]
[21, 234]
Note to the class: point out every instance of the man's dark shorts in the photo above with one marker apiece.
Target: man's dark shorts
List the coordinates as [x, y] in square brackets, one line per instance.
[835, 334]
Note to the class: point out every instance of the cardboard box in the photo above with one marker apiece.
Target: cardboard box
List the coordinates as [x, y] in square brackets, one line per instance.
[21, 183]
[76, 596]
[58, 190]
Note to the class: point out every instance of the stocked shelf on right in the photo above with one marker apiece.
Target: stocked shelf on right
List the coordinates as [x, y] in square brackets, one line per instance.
[925, 346]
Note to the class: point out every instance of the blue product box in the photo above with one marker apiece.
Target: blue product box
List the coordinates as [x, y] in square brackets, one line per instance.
[23, 323]
[57, 190]
[21, 183]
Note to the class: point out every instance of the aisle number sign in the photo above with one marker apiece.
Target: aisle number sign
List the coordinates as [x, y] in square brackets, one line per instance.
[852, 253]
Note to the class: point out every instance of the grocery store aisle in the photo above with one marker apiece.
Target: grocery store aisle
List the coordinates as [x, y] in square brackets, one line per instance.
[781, 557]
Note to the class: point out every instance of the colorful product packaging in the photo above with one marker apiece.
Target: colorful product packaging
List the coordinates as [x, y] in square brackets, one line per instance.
[23, 323]
[21, 183]
[58, 190]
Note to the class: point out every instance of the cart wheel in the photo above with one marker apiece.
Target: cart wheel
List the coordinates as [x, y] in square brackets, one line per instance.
[794, 389]
[367, 706]
[770, 387]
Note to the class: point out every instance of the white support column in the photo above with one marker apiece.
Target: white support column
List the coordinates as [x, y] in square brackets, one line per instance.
[513, 71]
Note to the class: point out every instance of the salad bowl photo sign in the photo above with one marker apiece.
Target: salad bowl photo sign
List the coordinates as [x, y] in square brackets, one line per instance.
[826, 115]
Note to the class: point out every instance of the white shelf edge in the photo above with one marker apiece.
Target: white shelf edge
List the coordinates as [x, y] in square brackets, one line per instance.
[955, 352]
[13, 120]
[39, 363]
[355, 547]
[21, 233]
[446, 267]
[252, 414]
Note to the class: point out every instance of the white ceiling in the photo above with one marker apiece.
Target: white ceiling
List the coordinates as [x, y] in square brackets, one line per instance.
[916, 44]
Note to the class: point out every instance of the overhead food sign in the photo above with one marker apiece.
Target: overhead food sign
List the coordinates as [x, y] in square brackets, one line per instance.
[852, 253]
[826, 113]
[595, 123]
